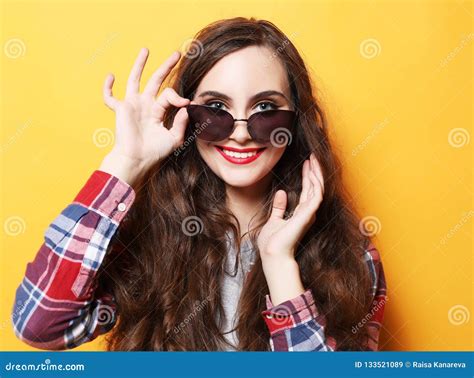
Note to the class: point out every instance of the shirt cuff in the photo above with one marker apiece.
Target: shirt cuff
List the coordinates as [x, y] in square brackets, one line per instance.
[106, 194]
[291, 312]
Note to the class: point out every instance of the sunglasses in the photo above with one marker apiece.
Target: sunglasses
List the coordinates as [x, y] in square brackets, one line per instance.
[212, 124]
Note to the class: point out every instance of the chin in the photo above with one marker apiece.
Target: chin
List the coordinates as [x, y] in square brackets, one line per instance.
[241, 179]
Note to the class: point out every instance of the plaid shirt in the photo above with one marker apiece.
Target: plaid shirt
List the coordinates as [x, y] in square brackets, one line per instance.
[57, 305]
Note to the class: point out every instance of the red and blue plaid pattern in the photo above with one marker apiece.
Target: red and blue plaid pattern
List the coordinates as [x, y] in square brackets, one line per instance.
[57, 306]
[297, 324]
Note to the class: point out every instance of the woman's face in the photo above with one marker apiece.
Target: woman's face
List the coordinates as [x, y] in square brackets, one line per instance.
[244, 82]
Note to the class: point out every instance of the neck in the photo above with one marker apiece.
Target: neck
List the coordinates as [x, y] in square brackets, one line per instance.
[246, 202]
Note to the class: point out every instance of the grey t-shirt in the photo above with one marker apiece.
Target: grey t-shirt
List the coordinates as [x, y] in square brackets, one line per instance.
[232, 285]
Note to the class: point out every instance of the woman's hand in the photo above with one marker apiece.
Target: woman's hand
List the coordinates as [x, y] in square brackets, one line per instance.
[141, 139]
[279, 237]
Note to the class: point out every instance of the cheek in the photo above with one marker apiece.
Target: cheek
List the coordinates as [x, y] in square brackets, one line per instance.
[271, 157]
[206, 151]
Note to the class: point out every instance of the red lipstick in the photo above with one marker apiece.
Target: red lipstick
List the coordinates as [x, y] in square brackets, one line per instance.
[240, 160]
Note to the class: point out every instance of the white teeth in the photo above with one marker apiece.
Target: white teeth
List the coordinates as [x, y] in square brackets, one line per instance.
[240, 155]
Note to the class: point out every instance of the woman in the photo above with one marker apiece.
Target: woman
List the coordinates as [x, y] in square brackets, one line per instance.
[209, 225]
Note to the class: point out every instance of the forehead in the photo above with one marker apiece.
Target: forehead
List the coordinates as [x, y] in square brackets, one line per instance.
[246, 72]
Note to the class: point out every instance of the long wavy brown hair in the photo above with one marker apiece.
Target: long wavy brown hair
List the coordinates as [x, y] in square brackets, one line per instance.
[166, 282]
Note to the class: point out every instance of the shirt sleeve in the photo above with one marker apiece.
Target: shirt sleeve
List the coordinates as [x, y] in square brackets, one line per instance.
[57, 306]
[297, 324]
[379, 297]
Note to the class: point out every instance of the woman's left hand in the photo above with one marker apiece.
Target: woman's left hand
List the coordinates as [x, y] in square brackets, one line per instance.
[279, 237]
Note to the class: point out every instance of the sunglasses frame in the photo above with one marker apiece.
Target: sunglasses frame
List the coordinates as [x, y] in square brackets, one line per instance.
[250, 121]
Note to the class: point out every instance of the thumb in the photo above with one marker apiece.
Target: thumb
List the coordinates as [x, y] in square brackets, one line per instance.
[180, 123]
[279, 204]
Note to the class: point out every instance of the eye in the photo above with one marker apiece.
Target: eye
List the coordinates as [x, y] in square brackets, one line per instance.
[263, 106]
[215, 104]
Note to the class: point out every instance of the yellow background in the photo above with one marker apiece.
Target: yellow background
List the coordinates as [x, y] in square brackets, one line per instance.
[400, 110]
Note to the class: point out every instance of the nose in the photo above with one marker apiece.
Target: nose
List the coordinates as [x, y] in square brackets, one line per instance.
[240, 133]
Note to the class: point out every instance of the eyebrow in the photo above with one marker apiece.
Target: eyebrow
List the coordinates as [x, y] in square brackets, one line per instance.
[253, 98]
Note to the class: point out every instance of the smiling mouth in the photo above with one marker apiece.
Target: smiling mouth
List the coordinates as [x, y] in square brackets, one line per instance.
[240, 155]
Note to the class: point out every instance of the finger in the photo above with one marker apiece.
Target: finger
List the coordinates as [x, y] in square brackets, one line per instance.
[305, 182]
[279, 204]
[316, 167]
[168, 98]
[317, 191]
[109, 99]
[300, 222]
[178, 129]
[154, 84]
[133, 83]
[304, 215]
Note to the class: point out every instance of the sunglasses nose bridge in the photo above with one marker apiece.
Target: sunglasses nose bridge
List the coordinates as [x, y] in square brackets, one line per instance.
[240, 134]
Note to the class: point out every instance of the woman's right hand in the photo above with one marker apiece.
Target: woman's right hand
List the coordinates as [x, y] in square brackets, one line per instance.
[141, 139]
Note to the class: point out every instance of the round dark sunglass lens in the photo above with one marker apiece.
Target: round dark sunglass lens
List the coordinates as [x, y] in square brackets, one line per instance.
[273, 126]
[210, 124]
